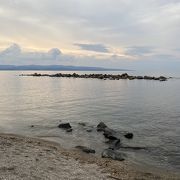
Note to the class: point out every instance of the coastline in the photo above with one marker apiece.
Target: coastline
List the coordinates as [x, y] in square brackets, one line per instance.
[35, 158]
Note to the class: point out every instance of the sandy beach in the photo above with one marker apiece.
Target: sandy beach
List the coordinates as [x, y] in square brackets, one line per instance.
[31, 158]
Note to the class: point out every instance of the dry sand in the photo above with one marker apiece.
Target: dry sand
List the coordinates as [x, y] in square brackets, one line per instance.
[25, 158]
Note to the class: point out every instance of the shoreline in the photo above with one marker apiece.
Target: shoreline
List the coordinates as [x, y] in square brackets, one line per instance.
[16, 150]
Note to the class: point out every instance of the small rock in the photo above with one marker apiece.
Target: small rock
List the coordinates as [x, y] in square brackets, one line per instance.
[129, 135]
[86, 149]
[69, 130]
[89, 130]
[109, 153]
[65, 126]
[82, 124]
[101, 126]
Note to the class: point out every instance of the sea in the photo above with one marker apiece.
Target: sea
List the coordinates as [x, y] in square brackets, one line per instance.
[35, 106]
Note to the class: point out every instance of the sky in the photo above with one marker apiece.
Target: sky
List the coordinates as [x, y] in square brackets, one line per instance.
[134, 34]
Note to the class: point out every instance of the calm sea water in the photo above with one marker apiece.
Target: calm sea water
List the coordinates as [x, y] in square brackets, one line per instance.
[149, 109]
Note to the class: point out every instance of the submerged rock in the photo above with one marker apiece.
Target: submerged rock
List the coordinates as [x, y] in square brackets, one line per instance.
[86, 149]
[65, 126]
[109, 153]
[69, 130]
[114, 144]
[110, 134]
[128, 135]
[82, 123]
[133, 148]
[89, 130]
[101, 126]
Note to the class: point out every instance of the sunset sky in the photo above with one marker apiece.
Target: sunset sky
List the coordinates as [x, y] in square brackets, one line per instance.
[133, 34]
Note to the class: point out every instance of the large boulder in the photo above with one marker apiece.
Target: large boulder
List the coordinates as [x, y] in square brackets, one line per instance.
[109, 153]
[86, 149]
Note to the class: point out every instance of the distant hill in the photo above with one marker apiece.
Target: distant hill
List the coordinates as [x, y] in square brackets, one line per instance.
[56, 68]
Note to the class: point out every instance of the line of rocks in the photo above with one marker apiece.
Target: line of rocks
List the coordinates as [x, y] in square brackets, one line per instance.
[100, 76]
[111, 135]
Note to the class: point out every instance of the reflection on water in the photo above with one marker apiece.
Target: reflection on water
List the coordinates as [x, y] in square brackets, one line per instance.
[149, 109]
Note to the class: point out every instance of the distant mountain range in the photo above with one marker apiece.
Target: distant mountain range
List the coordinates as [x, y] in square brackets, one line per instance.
[56, 68]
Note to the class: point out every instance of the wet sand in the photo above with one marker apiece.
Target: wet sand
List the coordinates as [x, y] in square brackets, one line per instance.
[30, 158]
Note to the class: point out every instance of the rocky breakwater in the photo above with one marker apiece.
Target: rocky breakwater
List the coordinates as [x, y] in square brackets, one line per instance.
[100, 76]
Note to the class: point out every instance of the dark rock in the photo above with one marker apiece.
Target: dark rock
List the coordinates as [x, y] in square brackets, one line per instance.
[129, 135]
[65, 126]
[36, 74]
[89, 130]
[101, 126]
[86, 149]
[32, 126]
[139, 77]
[110, 134]
[162, 78]
[109, 153]
[133, 147]
[124, 76]
[148, 77]
[82, 123]
[114, 144]
[131, 77]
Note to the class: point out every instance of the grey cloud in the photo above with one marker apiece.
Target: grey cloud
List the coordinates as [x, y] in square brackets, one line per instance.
[139, 50]
[55, 53]
[54, 56]
[118, 22]
[93, 47]
[14, 55]
[14, 49]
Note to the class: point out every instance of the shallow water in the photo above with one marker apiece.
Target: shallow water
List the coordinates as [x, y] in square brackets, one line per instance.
[149, 109]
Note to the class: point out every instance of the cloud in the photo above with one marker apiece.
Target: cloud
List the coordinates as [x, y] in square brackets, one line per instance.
[13, 50]
[93, 47]
[14, 55]
[139, 50]
[59, 23]
[54, 53]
